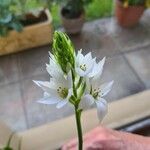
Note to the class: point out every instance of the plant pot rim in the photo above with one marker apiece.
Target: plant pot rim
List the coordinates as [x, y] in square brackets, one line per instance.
[130, 6]
[76, 18]
[48, 19]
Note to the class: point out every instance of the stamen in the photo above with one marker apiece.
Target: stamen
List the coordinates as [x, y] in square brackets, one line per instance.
[62, 92]
[83, 67]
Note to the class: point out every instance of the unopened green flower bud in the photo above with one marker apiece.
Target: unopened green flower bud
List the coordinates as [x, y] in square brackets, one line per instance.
[63, 51]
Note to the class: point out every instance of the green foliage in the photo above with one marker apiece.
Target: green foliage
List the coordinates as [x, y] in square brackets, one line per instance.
[74, 8]
[8, 18]
[7, 147]
[63, 51]
[99, 9]
[134, 2]
[95, 9]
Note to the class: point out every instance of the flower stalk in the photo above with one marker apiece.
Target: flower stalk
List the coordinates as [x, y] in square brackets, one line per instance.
[74, 80]
[79, 127]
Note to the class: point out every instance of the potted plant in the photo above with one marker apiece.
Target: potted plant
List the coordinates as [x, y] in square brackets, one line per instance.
[73, 15]
[21, 28]
[129, 12]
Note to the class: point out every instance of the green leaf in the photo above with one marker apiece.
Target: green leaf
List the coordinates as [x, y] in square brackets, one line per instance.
[8, 148]
[6, 19]
[5, 3]
[3, 31]
[16, 26]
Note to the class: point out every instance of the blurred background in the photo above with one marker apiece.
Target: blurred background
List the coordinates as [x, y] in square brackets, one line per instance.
[116, 29]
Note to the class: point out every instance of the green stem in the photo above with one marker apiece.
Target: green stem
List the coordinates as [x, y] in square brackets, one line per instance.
[74, 88]
[79, 127]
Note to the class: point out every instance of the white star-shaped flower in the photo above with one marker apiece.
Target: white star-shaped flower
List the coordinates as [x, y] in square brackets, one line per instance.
[53, 68]
[95, 95]
[86, 66]
[56, 91]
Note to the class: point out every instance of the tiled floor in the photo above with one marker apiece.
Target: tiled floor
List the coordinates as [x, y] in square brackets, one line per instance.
[128, 64]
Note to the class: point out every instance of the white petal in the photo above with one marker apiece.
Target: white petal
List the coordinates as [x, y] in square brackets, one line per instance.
[97, 68]
[61, 104]
[86, 101]
[79, 57]
[70, 91]
[43, 84]
[51, 56]
[49, 87]
[46, 95]
[49, 100]
[54, 70]
[106, 88]
[80, 72]
[101, 108]
[88, 56]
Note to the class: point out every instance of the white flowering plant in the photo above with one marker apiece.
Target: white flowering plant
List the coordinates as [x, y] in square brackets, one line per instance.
[74, 80]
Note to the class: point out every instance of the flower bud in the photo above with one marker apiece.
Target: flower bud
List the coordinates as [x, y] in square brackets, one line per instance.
[63, 51]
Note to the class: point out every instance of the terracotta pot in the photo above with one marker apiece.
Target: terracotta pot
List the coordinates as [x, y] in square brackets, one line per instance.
[130, 16]
[73, 25]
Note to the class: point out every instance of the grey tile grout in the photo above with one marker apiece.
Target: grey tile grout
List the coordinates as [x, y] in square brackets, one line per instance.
[21, 92]
[135, 73]
[128, 63]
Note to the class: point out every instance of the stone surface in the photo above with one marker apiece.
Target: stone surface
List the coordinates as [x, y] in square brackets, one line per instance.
[32, 62]
[11, 107]
[128, 61]
[129, 39]
[140, 61]
[146, 19]
[8, 70]
[125, 81]
[95, 39]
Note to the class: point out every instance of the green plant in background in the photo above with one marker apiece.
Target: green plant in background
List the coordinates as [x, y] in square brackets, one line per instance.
[8, 147]
[18, 8]
[127, 3]
[73, 8]
[93, 10]
[99, 9]
[8, 18]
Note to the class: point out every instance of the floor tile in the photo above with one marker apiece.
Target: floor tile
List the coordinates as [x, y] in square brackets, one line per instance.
[32, 62]
[146, 19]
[93, 39]
[129, 38]
[8, 70]
[140, 61]
[125, 81]
[11, 107]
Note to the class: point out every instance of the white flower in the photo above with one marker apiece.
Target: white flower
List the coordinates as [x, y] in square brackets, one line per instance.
[95, 96]
[97, 68]
[56, 91]
[84, 64]
[87, 66]
[53, 68]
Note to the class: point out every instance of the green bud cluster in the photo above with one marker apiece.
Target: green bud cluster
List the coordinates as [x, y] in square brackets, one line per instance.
[63, 51]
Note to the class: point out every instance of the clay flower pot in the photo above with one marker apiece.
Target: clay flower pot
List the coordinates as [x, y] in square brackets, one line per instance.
[130, 16]
[73, 25]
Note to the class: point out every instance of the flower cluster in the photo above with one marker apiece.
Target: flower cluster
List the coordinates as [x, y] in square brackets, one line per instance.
[74, 78]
